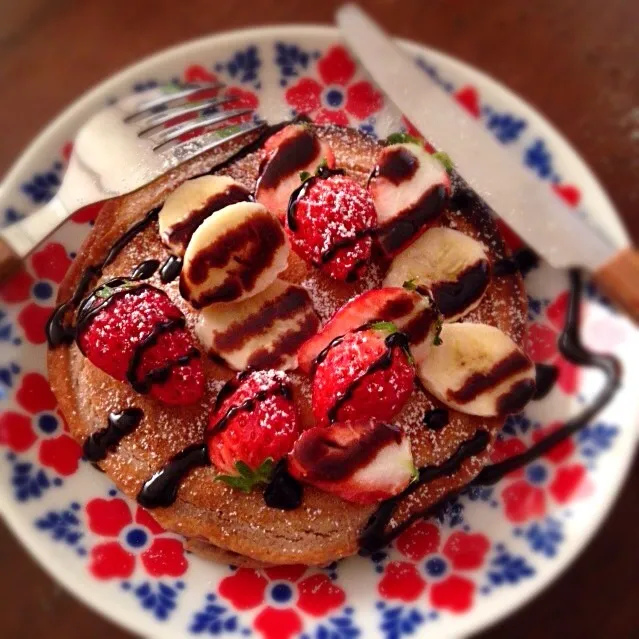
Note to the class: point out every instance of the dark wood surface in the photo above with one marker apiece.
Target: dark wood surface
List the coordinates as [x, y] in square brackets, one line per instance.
[576, 60]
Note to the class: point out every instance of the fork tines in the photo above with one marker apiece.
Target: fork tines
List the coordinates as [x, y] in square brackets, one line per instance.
[210, 140]
[176, 94]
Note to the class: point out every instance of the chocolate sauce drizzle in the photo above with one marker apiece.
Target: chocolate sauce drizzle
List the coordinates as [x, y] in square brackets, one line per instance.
[452, 298]
[522, 260]
[573, 350]
[170, 269]
[145, 270]
[283, 492]
[98, 445]
[394, 235]
[162, 488]
[158, 375]
[436, 418]
[545, 377]
[374, 536]
[397, 166]
[58, 330]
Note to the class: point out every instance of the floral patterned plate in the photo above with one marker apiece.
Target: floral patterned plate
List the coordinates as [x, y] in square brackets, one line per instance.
[486, 553]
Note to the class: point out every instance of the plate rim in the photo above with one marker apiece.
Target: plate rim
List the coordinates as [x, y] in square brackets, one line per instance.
[53, 565]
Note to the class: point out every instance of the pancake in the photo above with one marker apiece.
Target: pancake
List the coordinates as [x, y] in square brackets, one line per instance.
[219, 522]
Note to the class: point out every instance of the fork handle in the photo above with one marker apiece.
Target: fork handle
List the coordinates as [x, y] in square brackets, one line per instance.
[19, 239]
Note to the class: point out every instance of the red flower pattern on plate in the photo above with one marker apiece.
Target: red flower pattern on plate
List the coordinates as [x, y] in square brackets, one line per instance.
[41, 426]
[132, 534]
[337, 99]
[240, 98]
[542, 344]
[49, 265]
[468, 97]
[440, 568]
[278, 592]
[553, 477]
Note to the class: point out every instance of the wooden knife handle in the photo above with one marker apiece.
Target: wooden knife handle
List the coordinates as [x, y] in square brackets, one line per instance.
[9, 260]
[619, 280]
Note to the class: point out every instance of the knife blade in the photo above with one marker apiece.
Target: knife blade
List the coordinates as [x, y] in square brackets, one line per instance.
[531, 209]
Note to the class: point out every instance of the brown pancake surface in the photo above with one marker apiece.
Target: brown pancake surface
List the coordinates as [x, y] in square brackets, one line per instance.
[221, 522]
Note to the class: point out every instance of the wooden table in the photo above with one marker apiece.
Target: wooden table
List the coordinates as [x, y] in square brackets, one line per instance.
[576, 60]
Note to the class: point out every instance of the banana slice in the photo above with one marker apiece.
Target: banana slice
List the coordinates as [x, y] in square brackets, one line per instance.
[452, 267]
[191, 203]
[232, 255]
[264, 331]
[477, 369]
[409, 188]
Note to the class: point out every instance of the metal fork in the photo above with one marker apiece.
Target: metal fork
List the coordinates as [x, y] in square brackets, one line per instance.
[123, 147]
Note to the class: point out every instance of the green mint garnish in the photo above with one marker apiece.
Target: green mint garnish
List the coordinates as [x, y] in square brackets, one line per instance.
[384, 327]
[402, 138]
[304, 175]
[104, 292]
[247, 478]
[410, 285]
[437, 340]
[444, 158]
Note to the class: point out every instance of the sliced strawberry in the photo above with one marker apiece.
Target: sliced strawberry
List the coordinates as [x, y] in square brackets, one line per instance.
[289, 152]
[330, 223]
[410, 188]
[390, 304]
[254, 421]
[363, 461]
[365, 373]
[135, 333]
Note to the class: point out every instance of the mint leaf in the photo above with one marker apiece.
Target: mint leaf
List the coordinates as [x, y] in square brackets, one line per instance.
[247, 478]
[402, 138]
[445, 160]
[104, 291]
[384, 327]
[410, 285]
[304, 175]
[437, 340]
[321, 166]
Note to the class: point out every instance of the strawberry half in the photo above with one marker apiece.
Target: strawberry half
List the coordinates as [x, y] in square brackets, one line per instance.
[363, 461]
[390, 304]
[329, 222]
[134, 332]
[365, 373]
[287, 153]
[254, 424]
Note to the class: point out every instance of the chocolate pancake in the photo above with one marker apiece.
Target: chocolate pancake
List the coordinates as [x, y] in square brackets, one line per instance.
[226, 524]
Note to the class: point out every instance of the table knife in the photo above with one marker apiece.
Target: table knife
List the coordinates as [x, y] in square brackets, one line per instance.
[533, 211]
